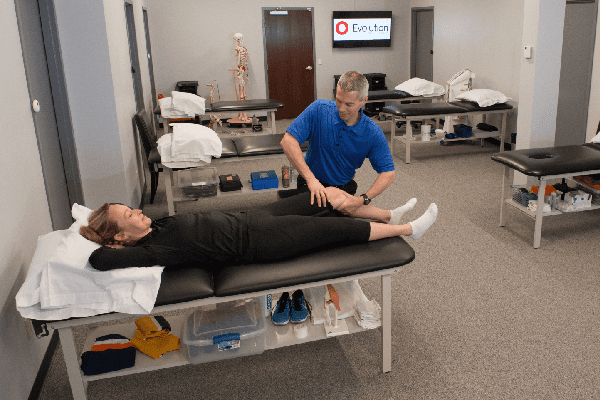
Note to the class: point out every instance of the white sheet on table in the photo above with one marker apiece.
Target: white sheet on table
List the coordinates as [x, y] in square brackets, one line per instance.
[59, 287]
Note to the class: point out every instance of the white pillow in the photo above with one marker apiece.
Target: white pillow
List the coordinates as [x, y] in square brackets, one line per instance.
[421, 87]
[73, 252]
[596, 139]
[483, 97]
[80, 215]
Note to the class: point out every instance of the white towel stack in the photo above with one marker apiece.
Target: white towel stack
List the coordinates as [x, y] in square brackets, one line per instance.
[367, 314]
[182, 105]
[190, 145]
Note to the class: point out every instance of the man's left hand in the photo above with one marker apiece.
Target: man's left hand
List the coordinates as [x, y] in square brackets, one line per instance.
[351, 204]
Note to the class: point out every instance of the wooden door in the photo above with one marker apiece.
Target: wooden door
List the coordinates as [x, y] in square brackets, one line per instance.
[289, 59]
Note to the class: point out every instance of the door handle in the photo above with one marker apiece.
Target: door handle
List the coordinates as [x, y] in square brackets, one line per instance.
[309, 67]
[430, 51]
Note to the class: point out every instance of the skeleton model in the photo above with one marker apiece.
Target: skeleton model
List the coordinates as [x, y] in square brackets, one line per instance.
[215, 120]
[212, 91]
[240, 76]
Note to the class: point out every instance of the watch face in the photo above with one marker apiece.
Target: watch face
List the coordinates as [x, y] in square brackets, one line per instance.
[366, 199]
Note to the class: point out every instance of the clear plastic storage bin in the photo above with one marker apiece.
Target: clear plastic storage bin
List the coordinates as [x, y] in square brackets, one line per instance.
[229, 330]
[198, 182]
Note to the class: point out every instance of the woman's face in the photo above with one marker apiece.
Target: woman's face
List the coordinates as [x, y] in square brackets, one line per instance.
[132, 223]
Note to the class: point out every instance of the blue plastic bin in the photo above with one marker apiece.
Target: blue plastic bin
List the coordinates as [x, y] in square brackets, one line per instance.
[264, 180]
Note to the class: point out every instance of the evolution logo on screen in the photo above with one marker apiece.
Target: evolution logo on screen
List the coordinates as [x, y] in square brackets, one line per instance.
[362, 29]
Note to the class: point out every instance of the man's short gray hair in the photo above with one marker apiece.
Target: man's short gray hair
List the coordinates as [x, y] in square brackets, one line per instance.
[353, 81]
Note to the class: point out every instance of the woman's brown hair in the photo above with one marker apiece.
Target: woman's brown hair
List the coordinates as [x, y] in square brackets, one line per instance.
[100, 228]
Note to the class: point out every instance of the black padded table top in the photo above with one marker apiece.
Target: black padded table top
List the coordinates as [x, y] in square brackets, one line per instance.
[258, 145]
[229, 149]
[388, 95]
[319, 265]
[472, 106]
[236, 105]
[261, 145]
[418, 109]
[593, 146]
[245, 105]
[184, 282]
[548, 161]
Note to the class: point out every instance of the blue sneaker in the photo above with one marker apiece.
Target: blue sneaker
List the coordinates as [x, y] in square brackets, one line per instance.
[281, 313]
[300, 307]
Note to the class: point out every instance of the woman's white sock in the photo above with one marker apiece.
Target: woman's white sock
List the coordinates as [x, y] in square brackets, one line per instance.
[421, 224]
[400, 211]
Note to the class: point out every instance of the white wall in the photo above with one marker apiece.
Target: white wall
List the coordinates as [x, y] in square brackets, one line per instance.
[482, 36]
[193, 40]
[123, 93]
[99, 97]
[24, 214]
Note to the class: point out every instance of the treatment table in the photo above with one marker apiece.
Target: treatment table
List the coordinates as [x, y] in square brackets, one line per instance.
[422, 111]
[186, 287]
[269, 106]
[545, 164]
[236, 148]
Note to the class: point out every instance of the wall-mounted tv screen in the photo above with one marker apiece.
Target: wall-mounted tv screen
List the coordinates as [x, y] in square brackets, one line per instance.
[362, 29]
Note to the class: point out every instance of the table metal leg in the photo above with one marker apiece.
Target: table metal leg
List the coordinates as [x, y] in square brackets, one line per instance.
[505, 188]
[537, 234]
[386, 322]
[168, 173]
[408, 137]
[78, 386]
[393, 134]
[503, 132]
[271, 124]
[165, 126]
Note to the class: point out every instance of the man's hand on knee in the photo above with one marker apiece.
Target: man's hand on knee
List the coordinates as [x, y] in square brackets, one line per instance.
[350, 204]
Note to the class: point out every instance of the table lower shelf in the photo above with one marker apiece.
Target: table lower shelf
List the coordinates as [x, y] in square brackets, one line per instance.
[178, 195]
[477, 134]
[533, 214]
[275, 337]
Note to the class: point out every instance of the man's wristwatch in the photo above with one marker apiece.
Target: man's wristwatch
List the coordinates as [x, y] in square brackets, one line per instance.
[366, 199]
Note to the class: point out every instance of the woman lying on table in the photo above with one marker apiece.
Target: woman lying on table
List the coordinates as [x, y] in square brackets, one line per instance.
[275, 231]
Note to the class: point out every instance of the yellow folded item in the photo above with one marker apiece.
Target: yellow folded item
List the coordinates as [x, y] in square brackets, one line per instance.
[156, 346]
[151, 326]
[140, 335]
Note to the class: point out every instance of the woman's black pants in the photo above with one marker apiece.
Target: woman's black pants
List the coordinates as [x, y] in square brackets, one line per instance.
[293, 226]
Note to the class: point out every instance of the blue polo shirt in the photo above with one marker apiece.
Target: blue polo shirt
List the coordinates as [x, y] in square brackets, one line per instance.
[336, 150]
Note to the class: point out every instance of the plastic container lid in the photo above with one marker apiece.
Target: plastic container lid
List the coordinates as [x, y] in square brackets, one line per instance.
[198, 177]
[243, 318]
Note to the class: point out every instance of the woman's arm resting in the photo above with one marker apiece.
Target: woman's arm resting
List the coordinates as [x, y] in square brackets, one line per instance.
[106, 259]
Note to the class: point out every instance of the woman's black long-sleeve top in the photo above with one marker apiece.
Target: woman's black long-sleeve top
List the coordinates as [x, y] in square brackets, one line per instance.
[207, 237]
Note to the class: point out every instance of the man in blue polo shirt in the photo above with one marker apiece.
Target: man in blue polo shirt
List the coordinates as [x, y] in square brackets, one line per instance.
[340, 138]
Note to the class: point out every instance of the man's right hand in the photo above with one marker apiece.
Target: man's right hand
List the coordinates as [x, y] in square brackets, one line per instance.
[317, 190]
